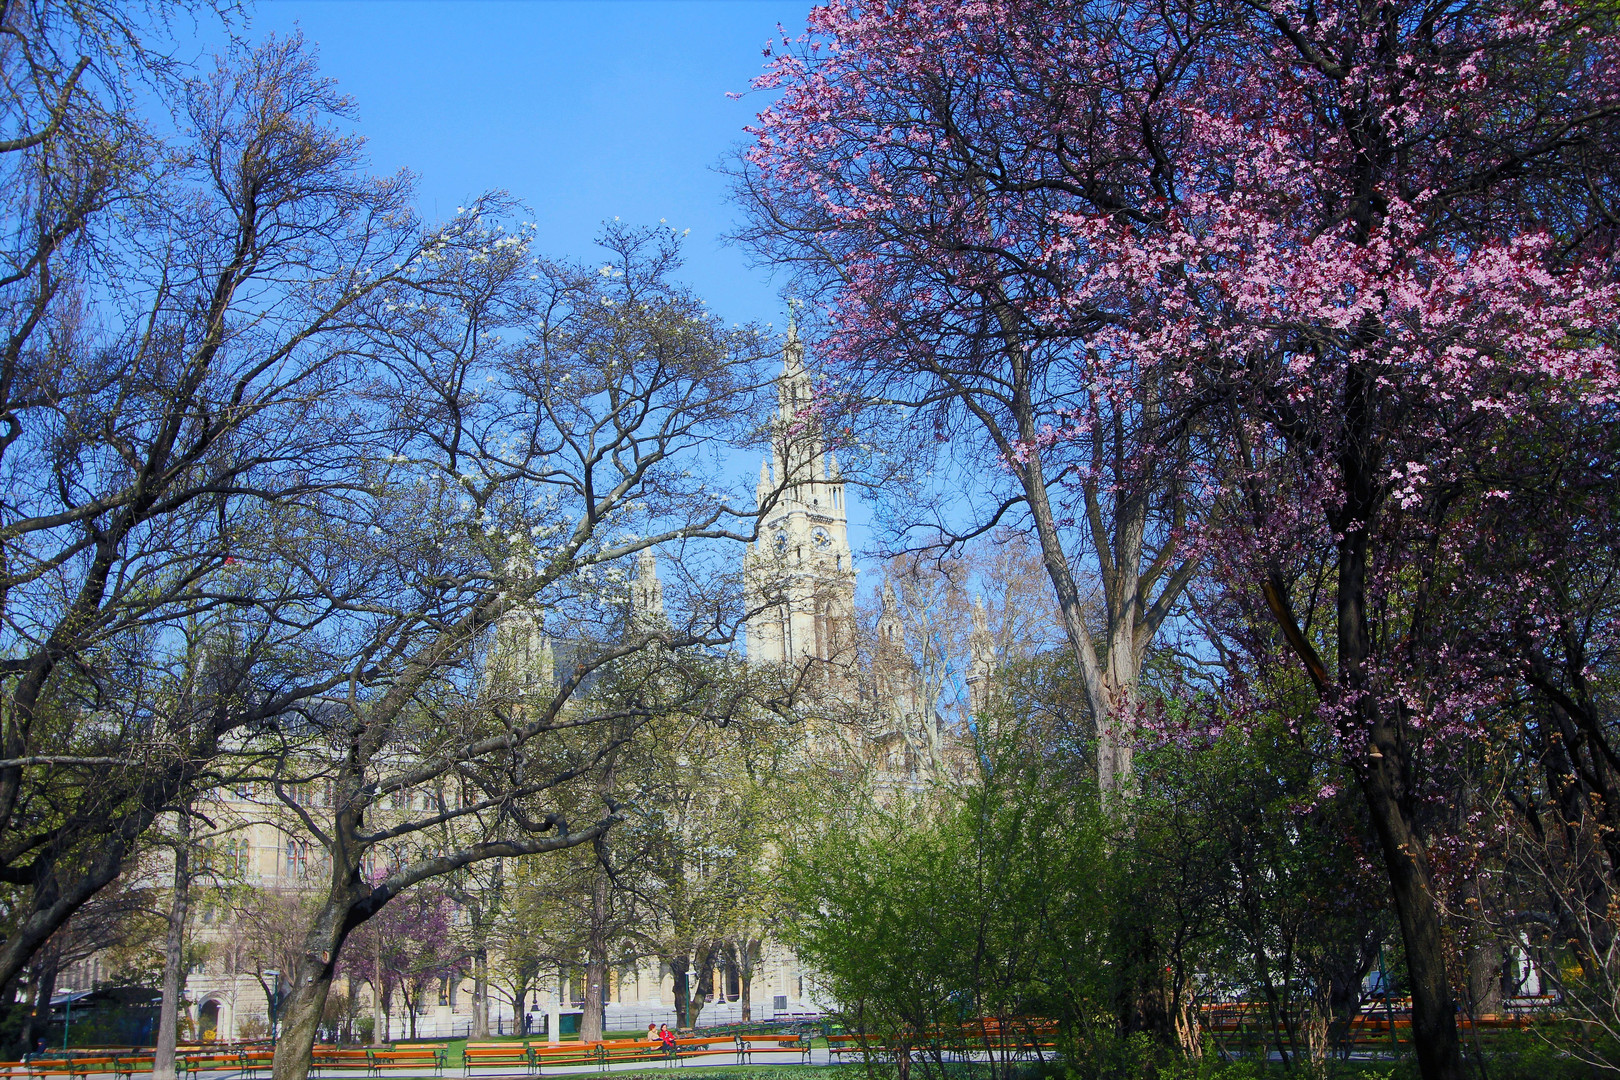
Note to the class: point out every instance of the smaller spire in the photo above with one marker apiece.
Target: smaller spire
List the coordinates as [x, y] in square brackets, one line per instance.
[981, 618]
[792, 349]
[832, 468]
[981, 660]
[646, 592]
[890, 631]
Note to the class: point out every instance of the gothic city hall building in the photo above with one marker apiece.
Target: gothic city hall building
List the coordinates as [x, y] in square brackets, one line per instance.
[857, 696]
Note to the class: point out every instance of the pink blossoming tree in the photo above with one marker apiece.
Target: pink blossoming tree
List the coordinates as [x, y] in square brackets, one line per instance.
[1333, 263]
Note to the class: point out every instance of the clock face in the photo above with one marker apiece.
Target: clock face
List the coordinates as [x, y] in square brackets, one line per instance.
[821, 537]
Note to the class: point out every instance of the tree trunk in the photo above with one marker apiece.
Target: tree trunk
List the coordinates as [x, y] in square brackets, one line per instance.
[24, 1011]
[596, 960]
[42, 1007]
[678, 968]
[705, 975]
[1434, 1012]
[1382, 769]
[312, 982]
[1109, 670]
[480, 1021]
[168, 1032]
[1485, 978]
[748, 951]
[37, 1018]
[590, 1022]
[379, 1000]
[1071, 608]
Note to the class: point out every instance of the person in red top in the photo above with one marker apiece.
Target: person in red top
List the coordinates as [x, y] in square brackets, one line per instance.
[666, 1037]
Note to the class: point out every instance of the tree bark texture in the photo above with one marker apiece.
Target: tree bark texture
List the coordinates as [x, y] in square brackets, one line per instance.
[480, 1022]
[168, 1032]
[1384, 770]
[379, 1000]
[37, 1018]
[596, 959]
[678, 968]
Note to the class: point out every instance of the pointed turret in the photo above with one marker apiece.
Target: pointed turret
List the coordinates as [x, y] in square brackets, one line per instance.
[894, 675]
[766, 481]
[646, 592]
[891, 632]
[981, 660]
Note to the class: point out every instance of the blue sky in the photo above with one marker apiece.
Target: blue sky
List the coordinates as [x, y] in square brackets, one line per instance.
[584, 111]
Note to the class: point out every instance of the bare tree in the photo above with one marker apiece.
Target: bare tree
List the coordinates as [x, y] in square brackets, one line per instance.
[536, 426]
[163, 392]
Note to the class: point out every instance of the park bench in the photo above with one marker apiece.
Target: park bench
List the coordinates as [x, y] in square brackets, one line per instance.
[75, 1065]
[198, 1062]
[132, 1063]
[618, 1051]
[784, 1042]
[419, 1059]
[554, 1054]
[195, 1063]
[1016, 1038]
[704, 1046]
[1496, 1023]
[841, 1046]
[497, 1055]
[252, 1060]
[330, 1061]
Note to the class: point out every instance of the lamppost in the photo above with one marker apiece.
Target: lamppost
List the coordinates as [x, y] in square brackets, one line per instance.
[273, 998]
[1389, 1008]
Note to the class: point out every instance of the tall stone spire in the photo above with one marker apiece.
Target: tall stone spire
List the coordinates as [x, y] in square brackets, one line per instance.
[981, 660]
[799, 574]
[796, 437]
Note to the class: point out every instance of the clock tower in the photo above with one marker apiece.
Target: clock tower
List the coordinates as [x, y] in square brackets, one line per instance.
[799, 575]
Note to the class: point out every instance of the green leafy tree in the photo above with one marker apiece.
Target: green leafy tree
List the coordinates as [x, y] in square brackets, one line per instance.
[941, 922]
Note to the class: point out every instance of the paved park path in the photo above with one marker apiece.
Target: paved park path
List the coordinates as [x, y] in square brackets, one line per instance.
[818, 1056]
